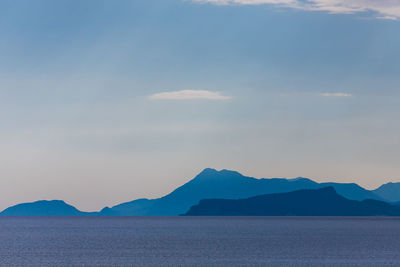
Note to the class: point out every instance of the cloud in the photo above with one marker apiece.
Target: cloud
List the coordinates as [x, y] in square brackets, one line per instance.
[381, 9]
[336, 94]
[190, 94]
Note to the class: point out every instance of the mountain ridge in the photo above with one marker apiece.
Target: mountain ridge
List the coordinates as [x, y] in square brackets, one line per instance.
[227, 184]
[308, 202]
[233, 185]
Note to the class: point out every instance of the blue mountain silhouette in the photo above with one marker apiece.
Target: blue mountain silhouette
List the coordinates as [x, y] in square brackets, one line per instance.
[209, 183]
[43, 208]
[226, 184]
[319, 202]
[389, 192]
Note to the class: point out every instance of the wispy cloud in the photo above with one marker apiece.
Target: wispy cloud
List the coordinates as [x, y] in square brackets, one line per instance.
[382, 9]
[336, 94]
[190, 94]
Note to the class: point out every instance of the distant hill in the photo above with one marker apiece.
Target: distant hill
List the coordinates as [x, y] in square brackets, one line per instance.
[137, 207]
[43, 208]
[389, 192]
[320, 202]
[225, 184]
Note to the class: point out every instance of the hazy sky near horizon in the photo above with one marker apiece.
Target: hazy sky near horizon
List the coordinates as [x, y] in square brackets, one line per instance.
[107, 101]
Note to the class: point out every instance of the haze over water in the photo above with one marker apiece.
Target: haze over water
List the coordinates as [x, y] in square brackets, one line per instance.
[205, 241]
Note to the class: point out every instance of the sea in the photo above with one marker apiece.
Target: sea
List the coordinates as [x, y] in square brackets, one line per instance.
[199, 241]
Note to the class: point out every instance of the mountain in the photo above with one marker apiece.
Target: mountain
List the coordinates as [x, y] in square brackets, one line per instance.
[320, 202]
[43, 208]
[209, 183]
[389, 192]
[225, 184]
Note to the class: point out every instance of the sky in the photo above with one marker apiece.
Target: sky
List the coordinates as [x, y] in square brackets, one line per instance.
[106, 101]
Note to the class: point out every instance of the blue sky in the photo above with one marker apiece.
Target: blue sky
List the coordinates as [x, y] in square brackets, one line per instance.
[108, 101]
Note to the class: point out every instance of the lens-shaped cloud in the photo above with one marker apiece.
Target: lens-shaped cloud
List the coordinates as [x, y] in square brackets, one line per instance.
[382, 9]
[190, 94]
[336, 94]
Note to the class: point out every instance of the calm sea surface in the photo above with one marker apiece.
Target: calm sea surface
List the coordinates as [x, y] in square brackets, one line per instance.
[207, 241]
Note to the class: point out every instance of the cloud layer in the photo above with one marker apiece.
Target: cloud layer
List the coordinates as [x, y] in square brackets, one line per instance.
[190, 94]
[382, 9]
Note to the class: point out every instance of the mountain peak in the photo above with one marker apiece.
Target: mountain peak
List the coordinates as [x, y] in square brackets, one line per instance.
[210, 173]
